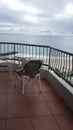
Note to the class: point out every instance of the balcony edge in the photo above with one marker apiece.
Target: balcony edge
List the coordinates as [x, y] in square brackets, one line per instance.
[63, 89]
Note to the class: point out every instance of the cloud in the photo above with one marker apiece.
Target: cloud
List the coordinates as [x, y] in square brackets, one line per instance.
[37, 17]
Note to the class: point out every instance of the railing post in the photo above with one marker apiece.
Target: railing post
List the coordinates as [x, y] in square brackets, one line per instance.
[0, 48]
[14, 53]
[49, 65]
[72, 64]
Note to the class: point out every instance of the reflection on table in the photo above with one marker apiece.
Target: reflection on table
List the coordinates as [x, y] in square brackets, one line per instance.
[22, 59]
[6, 60]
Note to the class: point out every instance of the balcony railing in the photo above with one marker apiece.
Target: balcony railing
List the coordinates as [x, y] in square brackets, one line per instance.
[59, 61]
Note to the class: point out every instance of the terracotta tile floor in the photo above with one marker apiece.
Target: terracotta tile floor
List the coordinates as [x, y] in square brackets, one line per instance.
[33, 110]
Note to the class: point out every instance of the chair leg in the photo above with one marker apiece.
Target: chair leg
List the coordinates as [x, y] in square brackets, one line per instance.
[23, 85]
[39, 82]
[10, 70]
[24, 80]
[38, 76]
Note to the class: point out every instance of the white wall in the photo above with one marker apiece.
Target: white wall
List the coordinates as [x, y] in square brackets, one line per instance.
[63, 88]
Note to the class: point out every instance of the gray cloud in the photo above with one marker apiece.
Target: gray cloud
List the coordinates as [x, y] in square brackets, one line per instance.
[43, 16]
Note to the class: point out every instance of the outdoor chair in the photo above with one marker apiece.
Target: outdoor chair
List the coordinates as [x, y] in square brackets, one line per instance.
[30, 70]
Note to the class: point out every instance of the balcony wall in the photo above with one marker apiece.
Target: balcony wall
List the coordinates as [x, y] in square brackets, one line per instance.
[62, 88]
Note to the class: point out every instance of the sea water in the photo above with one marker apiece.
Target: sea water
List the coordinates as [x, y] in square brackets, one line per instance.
[62, 42]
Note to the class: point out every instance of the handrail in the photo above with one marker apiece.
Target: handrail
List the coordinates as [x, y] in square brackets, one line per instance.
[37, 45]
[61, 62]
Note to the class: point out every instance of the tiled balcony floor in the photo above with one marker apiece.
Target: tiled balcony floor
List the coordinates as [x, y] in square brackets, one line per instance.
[34, 110]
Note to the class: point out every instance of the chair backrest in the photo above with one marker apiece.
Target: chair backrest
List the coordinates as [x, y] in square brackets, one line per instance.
[32, 67]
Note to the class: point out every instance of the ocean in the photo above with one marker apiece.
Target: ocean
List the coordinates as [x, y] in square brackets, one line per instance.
[62, 42]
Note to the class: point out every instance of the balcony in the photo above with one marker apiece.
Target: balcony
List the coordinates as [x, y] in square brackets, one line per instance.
[35, 110]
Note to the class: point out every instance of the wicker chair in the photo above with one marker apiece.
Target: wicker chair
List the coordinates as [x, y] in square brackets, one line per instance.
[31, 70]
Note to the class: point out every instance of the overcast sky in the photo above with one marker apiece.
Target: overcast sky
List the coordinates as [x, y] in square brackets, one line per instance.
[36, 16]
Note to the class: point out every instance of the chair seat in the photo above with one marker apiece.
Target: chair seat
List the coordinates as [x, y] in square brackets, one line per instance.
[31, 75]
[20, 72]
[3, 65]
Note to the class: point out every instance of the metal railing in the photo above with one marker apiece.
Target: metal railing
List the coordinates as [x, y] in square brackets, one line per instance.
[59, 61]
